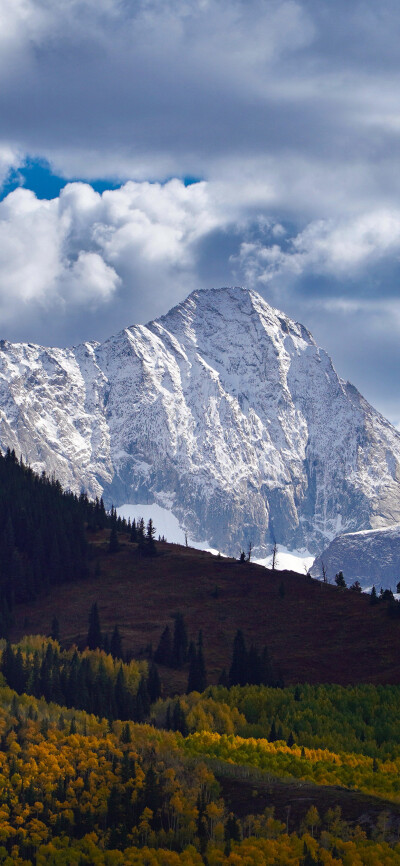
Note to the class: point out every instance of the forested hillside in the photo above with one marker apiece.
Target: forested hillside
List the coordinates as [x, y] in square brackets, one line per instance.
[77, 789]
[113, 750]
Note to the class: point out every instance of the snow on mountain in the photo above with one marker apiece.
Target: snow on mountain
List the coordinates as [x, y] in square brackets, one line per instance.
[165, 523]
[372, 557]
[224, 412]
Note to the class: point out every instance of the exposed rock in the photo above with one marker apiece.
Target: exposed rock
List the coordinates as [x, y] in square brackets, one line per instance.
[372, 557]
[224, 410]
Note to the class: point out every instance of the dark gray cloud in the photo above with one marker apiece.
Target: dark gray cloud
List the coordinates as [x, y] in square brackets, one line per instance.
[287, 109]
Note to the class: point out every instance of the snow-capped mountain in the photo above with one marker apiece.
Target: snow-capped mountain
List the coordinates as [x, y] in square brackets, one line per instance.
[372, 557]
[224, 411]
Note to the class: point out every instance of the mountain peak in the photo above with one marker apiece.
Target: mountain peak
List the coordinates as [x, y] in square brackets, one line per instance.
[224, 409]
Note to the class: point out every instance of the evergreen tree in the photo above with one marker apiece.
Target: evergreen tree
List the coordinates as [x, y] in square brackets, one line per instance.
[356, 587]
[197, 679]
[339, 580]
[144, 698]
[273, 734]
[126, 735]
[150, 530]
[113, 544]
[8, 664]
[179, 643]
[94, 638]
[120, 694]
[163, 653]
[55, 629]
[33, 683]
[150, 536]
[141, 537]
[179, 719]
[116, 644]
[238, 674]
[231, 831]
[153, 684]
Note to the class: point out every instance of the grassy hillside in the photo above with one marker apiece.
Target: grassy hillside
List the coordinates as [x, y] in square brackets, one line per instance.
[314, 632]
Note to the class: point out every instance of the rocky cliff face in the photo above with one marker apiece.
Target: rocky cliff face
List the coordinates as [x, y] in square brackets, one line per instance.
[372, 557]
[224, 410]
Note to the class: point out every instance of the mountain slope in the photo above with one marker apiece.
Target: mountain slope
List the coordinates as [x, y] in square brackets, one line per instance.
[224, 410]
[314, 632]
[371, 557]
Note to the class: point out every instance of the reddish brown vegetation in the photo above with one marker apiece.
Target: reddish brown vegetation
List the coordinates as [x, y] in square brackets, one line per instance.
[315, 633]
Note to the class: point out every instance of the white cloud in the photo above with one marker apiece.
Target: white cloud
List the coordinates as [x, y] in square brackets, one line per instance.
[30, 247]
[338, 248]
[79, 250]
[89, 281]
[287, 108]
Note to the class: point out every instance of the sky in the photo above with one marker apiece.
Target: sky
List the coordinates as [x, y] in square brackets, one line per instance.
[149, 148]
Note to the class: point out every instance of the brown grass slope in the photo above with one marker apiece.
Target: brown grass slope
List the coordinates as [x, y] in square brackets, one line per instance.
[315, 633]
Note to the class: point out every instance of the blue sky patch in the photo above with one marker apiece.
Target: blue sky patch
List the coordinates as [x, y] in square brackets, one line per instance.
[36, 174]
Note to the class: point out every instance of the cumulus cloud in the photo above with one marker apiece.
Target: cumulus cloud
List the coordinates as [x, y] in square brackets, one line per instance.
[342, 249]
[84, 251]
[287, 110]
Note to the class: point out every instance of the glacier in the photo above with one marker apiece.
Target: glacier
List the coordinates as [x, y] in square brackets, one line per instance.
[224, 411]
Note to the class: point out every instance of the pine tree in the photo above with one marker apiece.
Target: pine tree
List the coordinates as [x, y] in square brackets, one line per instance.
[163, 652]
[144, 697]
[179, 643]
[126, 736]
[150, 530]
[373, 599]
[153, 684]
[179, 719]
[232, 829]
[8, 664]
[238, 674]
[120, 694]
[55, 629]
[113, 545]
[94, 638]
[197, 679]
[116, 644]
[273, 734]
[339, 580]
[150, 535]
